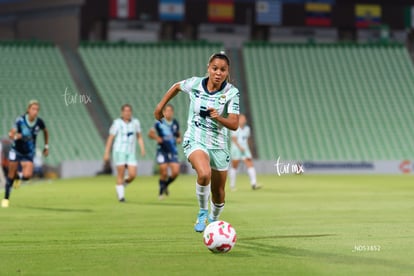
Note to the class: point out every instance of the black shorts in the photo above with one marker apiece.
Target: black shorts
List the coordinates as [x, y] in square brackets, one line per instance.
[166, 157]
[15, 156]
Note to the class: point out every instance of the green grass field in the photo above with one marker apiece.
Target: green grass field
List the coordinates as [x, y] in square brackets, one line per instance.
[296, 225]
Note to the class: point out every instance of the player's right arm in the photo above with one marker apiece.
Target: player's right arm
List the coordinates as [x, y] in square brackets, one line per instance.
[108, 146]
[171, 93]
[112, 132]
[152, 134]
[14, 135]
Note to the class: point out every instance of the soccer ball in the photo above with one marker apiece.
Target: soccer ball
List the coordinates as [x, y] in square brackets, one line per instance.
[219, 237]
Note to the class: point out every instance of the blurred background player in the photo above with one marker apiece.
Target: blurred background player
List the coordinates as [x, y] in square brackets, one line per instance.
[2, 162]
[240, 150]
[213, 110]
[124, 131]
[167, 134]
[23, 150]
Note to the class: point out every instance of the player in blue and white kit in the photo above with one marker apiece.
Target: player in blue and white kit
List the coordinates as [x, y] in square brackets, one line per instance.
[24, 133]
[123, 134]
[240, 150]
[167, 134]
[213, 111]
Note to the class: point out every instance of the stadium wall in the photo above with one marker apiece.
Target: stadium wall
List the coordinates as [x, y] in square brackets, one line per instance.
[283, 167]
[69, 169]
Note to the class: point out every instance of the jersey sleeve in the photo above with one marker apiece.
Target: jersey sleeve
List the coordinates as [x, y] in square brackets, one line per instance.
[16, 124]
[157, 127]
[233, 104]
[114, 128]
[41, 124]
[248, 132]
[187, 85]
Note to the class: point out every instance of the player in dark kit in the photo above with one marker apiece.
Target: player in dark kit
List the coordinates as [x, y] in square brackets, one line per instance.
[22, 152]
[167, 133]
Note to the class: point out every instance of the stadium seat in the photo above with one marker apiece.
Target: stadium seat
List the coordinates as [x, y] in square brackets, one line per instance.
[140, 74]
[330, 102]
[38, 71]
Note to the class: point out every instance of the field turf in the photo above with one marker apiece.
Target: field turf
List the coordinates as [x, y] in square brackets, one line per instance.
[295, 225]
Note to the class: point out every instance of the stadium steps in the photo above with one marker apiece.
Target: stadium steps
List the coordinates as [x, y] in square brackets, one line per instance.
[96, 108]
[33, 70]
[238, 78]
[331, 102]
[140, 74]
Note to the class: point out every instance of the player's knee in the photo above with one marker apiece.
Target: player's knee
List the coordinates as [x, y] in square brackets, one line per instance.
[204, 176]
[27, 175]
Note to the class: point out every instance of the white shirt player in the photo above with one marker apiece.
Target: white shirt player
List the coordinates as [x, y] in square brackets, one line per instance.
[201, 127]
[242, 135]
[125, 135]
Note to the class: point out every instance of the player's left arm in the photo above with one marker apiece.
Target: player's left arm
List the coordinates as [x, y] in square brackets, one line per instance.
[178, 138]
[46, 138]
[141, 143]
[232, 120]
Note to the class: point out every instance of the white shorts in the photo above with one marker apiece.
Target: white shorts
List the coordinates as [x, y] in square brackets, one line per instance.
[237, 154]
[122, 158]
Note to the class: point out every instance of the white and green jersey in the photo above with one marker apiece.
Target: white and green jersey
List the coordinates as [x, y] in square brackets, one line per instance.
[201, 127]
[125, 135]
[242, 135]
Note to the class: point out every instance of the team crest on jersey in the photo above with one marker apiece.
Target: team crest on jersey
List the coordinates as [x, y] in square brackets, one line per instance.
[222, 99]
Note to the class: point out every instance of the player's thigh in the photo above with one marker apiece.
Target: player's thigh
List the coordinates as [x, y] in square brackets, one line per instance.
[218, 183]
[27, 168]
[12, 169]
[200, 161]
[235, 164]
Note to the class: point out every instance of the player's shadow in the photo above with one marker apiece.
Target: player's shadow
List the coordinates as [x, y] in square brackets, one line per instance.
[265, 249]
[63, 210]
[163, 203]
[285, 237]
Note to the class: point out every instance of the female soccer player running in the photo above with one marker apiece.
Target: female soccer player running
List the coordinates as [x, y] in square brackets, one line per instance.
[240, 151]
[214, 109]
[23, 149]
[167, 134]
[124, 131]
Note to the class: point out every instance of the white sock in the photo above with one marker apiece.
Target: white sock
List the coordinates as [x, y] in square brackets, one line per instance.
[216, 209]
[203, 194]
[232, 177]
[120, 190]
[252, 174]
